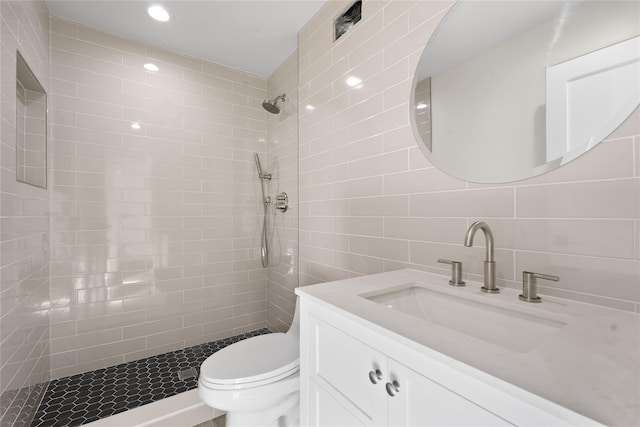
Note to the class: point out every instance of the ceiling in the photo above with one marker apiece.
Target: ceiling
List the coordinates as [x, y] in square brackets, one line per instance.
[250, 35]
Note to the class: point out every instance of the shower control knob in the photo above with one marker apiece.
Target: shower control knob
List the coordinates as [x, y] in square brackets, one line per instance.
[282, 202]
[375, 376]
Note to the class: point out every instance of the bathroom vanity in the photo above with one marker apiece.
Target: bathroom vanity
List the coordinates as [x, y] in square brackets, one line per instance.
[405, 348]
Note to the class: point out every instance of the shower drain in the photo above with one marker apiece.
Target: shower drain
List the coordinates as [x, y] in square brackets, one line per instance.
[187, 373]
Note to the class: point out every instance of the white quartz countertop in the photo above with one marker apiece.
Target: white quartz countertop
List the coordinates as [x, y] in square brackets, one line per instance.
[591, 365]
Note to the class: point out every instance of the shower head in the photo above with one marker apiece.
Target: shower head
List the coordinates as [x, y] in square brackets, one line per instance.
[271, 105]
[272, 108]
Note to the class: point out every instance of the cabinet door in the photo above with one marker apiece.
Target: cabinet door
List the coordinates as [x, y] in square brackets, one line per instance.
[342, 365]
[325, 411]
[422, 402]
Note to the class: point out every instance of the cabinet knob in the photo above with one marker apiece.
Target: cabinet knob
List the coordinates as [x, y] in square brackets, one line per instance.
[375, 376]
[393, 388]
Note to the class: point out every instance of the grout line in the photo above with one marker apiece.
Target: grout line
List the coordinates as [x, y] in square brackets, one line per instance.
[636, 233]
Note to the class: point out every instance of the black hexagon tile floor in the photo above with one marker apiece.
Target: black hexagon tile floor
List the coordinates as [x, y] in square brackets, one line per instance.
[87, 397]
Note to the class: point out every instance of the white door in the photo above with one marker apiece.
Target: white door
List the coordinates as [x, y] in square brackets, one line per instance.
[349, 370]
[418, 401]
[325, 411]
[588, 97]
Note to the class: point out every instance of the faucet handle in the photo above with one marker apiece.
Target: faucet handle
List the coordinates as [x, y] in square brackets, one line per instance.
[530, 285]
[456, 271]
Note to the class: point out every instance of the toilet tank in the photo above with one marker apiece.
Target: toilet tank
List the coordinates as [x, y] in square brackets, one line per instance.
[294, 330]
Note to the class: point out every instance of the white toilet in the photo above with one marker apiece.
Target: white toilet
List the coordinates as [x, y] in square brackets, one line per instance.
[256, 380]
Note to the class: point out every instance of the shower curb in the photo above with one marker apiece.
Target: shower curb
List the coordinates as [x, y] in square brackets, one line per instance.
[184, 409]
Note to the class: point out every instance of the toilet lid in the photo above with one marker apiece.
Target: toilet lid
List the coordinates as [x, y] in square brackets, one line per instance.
[252, 360]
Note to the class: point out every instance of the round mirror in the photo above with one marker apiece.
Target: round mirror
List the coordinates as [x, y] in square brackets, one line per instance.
[509, 90]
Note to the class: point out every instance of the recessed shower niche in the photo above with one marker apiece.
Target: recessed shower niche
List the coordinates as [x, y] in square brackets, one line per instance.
[31, 126]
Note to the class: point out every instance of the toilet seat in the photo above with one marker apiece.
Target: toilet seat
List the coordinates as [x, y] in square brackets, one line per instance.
[252, 362]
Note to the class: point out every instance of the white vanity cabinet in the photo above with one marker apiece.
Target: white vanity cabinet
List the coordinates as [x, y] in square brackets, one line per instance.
[350, 383]
[341, 367]
[350, 369]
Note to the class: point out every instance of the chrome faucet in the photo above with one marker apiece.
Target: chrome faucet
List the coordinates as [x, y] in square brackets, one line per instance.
[489, 263]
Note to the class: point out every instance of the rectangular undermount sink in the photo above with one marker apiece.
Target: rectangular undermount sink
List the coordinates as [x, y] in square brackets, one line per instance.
[510, 329]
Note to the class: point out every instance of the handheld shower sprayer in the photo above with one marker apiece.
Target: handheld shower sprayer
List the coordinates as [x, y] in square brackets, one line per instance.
[261, 175]
[264, 247]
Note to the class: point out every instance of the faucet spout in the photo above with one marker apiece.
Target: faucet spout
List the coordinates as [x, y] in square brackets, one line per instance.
[488, 236]
[489, 263]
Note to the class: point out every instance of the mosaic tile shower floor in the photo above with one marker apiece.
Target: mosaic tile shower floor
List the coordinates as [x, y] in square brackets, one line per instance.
[83, 398]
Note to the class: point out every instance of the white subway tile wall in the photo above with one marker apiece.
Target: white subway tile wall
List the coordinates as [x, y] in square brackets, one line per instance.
[155, 205]
[371, 202]
[31, 110]
[282, 161]
[24, 225]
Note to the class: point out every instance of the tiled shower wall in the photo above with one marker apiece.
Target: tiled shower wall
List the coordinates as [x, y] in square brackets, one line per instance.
[31, 128]
[282, 153]
[155, 229]
[371, 202]
[24, 227]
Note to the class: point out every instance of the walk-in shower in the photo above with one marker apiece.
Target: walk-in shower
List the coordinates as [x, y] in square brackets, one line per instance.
[271, 105]
[264, 247]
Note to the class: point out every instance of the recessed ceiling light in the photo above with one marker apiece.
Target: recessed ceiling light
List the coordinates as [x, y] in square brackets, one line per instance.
[151, 67]
[135, 125]
[353, 81]
[158, 13]
[421, 106]
[310, 107]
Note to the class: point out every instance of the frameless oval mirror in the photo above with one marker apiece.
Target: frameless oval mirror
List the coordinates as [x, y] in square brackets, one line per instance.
[507, 90]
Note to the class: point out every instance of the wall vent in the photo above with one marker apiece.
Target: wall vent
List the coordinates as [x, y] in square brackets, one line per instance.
[348, 19]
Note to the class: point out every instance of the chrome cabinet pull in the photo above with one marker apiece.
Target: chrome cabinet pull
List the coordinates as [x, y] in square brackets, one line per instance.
[393, 388]
[375, 376]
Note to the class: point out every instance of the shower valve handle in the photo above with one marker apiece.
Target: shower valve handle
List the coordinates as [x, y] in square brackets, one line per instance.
[282, 202]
